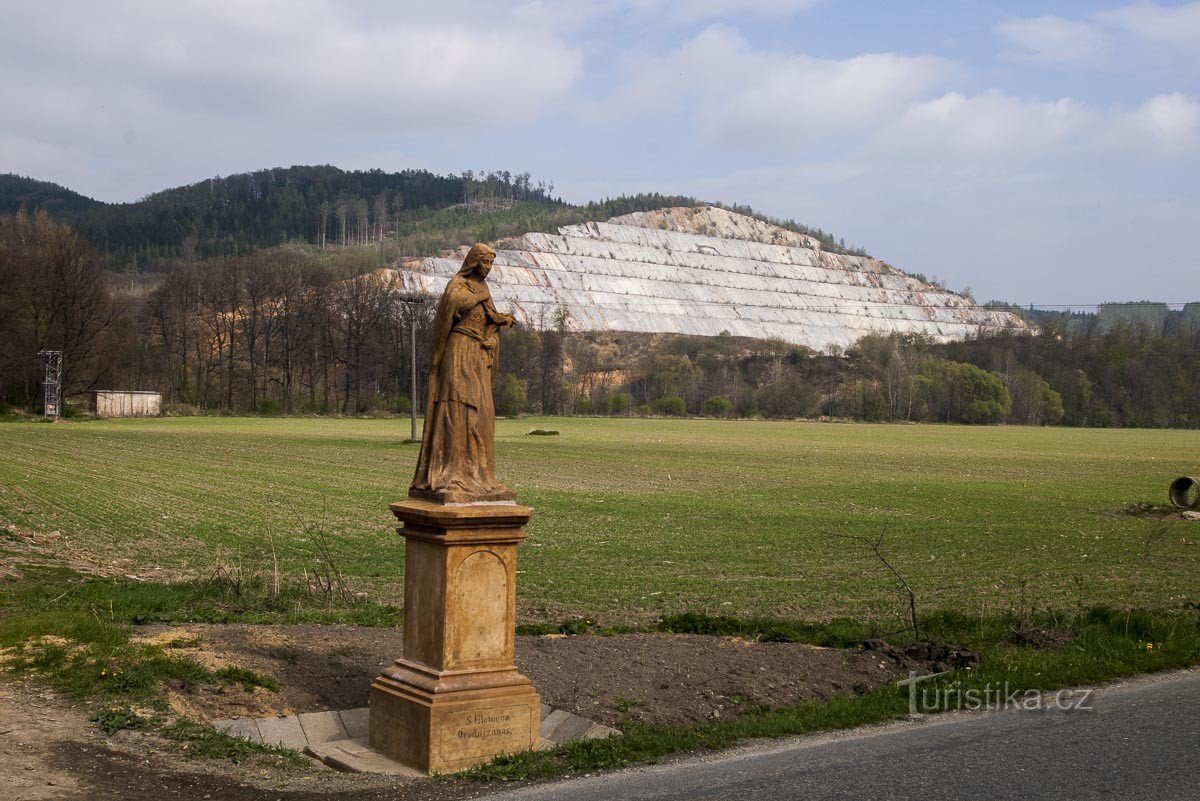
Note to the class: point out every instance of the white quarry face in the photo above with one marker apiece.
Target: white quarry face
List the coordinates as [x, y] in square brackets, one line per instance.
[706, 270]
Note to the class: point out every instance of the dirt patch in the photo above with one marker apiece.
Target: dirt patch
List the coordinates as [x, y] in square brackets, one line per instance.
[49, 750]
[674, 678]
[1154, 511]
[30, 724]
[1042, 638]
[317, 667]
[644, 678]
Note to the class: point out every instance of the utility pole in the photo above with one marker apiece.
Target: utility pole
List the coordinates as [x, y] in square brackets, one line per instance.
[52, 383]
[413, 302]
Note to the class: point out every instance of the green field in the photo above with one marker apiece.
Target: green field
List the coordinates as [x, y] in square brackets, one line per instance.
[636, 518]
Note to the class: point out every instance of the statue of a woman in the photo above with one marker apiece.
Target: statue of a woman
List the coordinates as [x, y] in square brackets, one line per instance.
[458, 452]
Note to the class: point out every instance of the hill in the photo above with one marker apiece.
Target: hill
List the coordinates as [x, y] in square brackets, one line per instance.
[705, 270]
[17, 192]
[420, 213]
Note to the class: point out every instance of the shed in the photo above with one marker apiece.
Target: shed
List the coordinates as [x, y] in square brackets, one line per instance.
[126, 403]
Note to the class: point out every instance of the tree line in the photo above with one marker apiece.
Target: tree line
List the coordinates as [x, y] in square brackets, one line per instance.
[300, 329]
[1102, 374]
[278, 330]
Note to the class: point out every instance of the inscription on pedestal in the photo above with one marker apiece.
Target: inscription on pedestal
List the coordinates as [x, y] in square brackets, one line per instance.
[485, 732]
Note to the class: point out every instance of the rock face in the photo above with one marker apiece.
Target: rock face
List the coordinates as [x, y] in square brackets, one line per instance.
[705, 271]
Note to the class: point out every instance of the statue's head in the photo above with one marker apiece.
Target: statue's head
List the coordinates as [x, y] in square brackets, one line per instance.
[479, 260]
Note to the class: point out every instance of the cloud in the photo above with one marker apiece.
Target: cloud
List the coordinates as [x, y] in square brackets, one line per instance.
[1164, 125]
[693, 10]
[1165, 25]
[1053, 39]
[193, 82]
[994, 130]
[878, 108]
[1088, 40]
[575, 14]
[302, 58]
[739, 96]
[990, 125]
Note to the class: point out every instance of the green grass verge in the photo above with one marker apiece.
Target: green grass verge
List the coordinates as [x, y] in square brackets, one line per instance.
[74, 632]
[1107, 644]
[203, 741]
[199, 740]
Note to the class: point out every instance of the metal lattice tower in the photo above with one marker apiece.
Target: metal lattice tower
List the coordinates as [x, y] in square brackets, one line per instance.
[52, 383]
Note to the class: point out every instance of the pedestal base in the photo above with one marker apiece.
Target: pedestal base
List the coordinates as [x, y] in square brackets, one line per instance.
[457, 724]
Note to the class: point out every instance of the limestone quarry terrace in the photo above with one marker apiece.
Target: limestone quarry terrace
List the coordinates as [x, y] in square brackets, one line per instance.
[706, 271]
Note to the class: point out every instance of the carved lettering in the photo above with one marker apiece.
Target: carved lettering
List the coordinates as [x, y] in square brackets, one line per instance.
[489, 731]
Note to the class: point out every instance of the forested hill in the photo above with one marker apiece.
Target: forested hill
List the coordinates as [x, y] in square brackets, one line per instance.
[18, 192]
[416, 210]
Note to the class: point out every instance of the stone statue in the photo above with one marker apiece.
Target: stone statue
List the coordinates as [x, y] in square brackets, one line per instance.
[458, 452]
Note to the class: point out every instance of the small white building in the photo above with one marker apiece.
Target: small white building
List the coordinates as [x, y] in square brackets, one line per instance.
[121, 403]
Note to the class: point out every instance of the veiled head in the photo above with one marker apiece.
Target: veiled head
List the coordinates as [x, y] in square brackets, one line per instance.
[479, 259]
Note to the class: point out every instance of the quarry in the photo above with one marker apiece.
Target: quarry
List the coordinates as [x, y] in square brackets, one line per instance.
[707, 271]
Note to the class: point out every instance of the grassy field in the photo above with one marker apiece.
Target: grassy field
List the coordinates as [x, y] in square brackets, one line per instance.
[637, 518]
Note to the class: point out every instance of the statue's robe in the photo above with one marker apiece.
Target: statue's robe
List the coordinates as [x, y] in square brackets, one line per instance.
[458, 455]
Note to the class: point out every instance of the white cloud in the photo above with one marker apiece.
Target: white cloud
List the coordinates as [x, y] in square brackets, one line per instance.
[160, 93]
[574, 14]
[736, 95]
[305, 57]
[1089, 39]
[1166, 25]
[1163, 125]
[691, 10]
[1053, 39]
[991, 125]
[1000, 129]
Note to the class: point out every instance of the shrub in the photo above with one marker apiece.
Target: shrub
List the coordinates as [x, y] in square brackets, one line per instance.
[670, 405]
[619, 404]
[402, 405]
[957, 392]
[787, 397]
[583, 405]
[269, 407]
[512, 396]
[716, 406]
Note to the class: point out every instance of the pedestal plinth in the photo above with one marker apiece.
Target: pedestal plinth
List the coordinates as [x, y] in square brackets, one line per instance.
[456, 699]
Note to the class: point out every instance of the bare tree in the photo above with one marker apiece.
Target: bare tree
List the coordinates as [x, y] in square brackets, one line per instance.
[54, 296]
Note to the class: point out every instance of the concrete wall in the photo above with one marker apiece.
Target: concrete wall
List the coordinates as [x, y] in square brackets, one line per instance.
[111, 403]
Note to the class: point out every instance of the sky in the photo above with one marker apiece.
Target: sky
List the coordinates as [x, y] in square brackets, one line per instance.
[1042, 153]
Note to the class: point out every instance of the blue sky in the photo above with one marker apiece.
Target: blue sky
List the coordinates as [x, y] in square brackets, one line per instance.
[1035, 152]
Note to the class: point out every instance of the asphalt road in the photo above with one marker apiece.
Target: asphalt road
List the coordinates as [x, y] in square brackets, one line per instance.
[1139, 741]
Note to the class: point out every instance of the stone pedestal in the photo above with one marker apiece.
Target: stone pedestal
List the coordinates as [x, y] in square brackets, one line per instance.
[456, 699]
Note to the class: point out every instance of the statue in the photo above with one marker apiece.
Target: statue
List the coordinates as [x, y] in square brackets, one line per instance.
[458, 452]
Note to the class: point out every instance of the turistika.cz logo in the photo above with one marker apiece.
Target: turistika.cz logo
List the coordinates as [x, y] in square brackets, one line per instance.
[954, 696]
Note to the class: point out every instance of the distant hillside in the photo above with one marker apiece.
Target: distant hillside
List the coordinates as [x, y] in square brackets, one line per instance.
[418, 212]
[18, 192]
[707, 271]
